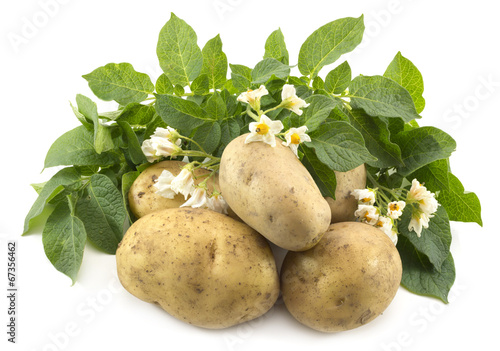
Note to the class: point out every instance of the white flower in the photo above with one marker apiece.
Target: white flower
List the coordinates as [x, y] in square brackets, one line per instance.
[217, 203]
[426, 200]
[364, 196]
[418, 221]
[395, 209]
[164, 147]
[163, 185]
[168, 133]
[385, 224]
[393, 236]
[264, 130]
[252, 97]
[294, 137]
[183, 183]
[367, 213]
[149, 151]
[290, 100]
[198, 199]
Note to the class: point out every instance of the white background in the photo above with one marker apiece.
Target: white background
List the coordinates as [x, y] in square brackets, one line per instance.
[44, 50]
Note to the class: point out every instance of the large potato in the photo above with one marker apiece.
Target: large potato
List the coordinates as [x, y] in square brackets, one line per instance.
[345, 281]
[344, 205]
[271, 191]
[200, 266]
[142, 195]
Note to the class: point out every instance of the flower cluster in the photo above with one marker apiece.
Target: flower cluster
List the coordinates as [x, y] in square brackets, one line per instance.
[422, 202]
[196, 196]
[165, 142]
[368, 213]
[264, 129]
[424, 205]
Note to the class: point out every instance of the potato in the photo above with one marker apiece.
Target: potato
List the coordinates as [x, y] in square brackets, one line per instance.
[344, 205]
[271, 191]
[200, 266]
[345, 281]
[142, 195]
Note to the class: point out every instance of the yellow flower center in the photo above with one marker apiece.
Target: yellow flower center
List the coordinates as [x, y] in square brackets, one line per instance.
[295, 139]
[366, 199]
[394, 207]
[262, 129]
[380, 224]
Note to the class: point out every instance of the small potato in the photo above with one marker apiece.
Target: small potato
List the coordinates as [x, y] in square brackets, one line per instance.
[271, 191]
[200, 266]
[345, 281]
[344, 205]
[142, 195]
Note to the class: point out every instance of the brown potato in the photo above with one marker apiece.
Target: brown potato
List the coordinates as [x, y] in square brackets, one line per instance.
[345, 281]
[344, 205]
[271, 191]
[142, 195]
[200, 266]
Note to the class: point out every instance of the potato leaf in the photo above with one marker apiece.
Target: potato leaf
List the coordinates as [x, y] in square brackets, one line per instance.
[379, 96]
[178, 52]
[421, 277]
[325, 45]
[76, 147]
[404, 72]
[462, 206]
[103, 213]
[119, 82]
[64, 240]
[339, 146]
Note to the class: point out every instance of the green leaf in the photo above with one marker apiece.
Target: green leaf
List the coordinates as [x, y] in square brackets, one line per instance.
[328, 43]
[137, 114]
[264, 70]
[178, 52]
[323, 176]
[382, 97]
[164, 85]
[377, 139]
[461, 206]
[103, 213]
[127, 181]
[419, 275]
[338, 79]
[434, 175]
[214, 63]
[179, 113]
[63, 240]
[404, 72]
[119, 82]
[208, 136]
[201, 85]
[133, 144]
[317, 112]
[241, 77]
[215, 107]
[76, 147]
[434, 241]
[102, 134]
[339, 146]
[230, 129]
[276, 48]
[421, 146]
[65, 178]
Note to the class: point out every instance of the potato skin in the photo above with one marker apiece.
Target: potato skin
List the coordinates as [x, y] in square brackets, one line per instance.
[344, 205]
[200, 266]
[271, 191]
[142, 195]
[345, 281]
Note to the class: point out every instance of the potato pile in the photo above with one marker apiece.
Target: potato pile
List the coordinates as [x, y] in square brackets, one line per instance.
[214, 271]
